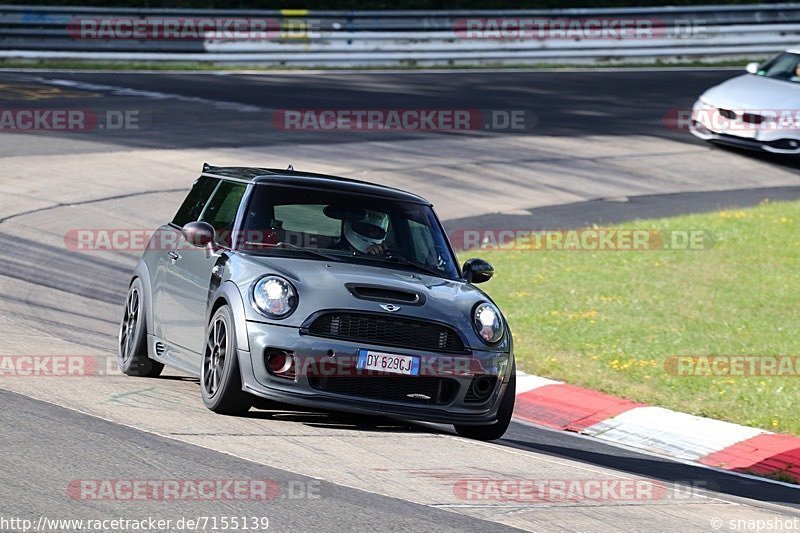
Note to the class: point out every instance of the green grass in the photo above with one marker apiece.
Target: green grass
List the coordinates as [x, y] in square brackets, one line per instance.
[609, 320]
[70, 64]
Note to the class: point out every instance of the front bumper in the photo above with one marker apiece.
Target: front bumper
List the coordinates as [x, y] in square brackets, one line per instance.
[455, 372]
[705, 124]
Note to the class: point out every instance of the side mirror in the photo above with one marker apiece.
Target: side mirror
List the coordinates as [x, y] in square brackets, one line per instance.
[752, 68]
[199, 234]
[477, 271]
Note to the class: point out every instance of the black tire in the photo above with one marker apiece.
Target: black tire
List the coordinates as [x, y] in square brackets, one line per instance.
[132, 355]
[220, 377]
[496, 430]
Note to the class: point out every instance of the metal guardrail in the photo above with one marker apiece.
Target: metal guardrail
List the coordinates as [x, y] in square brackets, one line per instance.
[334, 38]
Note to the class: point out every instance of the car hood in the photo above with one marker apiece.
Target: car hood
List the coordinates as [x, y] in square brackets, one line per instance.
[755, 93]
[324, 285]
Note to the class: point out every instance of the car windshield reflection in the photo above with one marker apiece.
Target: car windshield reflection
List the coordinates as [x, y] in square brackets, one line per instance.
[337, 226]
[785, 67]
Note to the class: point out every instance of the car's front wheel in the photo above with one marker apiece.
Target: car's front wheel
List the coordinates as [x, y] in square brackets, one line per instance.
[220, 378]
[132, 355]
[496, 430]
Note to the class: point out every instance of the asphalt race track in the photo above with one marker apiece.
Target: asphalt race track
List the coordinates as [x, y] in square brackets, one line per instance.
[595, 147]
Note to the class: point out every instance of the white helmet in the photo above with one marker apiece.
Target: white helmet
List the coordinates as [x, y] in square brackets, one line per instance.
[361, 234]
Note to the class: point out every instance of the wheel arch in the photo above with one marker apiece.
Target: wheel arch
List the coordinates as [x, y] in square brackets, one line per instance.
[142, 272]
[229, 294]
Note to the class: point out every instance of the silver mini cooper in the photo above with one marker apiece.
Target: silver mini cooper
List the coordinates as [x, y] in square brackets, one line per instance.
[323, 292]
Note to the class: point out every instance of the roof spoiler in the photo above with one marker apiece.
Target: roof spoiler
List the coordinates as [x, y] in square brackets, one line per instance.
[207, 167]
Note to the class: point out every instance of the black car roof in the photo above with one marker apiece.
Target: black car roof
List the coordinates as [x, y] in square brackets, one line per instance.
[310, 179]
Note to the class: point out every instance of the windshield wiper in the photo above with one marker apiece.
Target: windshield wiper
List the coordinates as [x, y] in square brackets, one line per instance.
[290, 246]
[403, 261]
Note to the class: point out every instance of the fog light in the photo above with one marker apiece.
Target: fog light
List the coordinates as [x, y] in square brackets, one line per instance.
[280, 363]
[481, 388]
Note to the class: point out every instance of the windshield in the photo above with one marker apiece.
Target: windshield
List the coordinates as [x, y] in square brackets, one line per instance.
[327, 225]
[783, 67]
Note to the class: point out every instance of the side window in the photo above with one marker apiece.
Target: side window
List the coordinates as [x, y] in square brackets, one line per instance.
[221, 210]
[195, 201]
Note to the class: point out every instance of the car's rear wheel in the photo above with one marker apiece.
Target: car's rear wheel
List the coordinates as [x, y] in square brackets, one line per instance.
[496, 430]
[220, 377]
[132, 355]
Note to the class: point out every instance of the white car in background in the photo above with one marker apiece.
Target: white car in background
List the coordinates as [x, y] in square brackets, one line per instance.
[759, 110]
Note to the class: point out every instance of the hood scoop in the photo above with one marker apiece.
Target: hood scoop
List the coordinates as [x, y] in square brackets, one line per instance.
[379, 293]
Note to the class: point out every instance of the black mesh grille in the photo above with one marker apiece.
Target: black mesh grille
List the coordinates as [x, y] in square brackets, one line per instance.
[387, 331]
[423, 390]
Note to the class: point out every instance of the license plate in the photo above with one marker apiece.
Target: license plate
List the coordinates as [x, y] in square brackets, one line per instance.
[387, 362]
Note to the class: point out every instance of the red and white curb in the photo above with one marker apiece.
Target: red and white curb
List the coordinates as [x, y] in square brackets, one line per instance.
[681, 436]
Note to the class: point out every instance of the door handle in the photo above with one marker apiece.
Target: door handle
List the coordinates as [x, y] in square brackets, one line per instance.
[174, 256]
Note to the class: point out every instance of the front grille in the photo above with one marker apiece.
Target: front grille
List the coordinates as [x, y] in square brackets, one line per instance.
[422, 389]
[727, 113]
[387, 331]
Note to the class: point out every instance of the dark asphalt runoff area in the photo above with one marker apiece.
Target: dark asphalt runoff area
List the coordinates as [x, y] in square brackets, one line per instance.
[560, 103]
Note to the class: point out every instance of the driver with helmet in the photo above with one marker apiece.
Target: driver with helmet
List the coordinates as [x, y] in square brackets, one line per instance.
[365, 235]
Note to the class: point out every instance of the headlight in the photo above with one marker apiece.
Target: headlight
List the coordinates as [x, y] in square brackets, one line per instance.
[274, 297]
[488, 324]
[704, 102]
